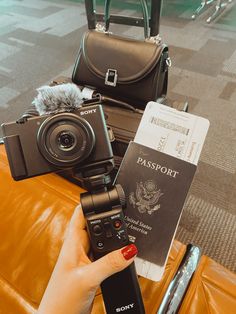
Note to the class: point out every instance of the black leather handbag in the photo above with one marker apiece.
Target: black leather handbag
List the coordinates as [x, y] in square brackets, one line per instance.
[130, 70]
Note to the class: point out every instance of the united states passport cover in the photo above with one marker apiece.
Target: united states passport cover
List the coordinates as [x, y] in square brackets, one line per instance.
[156, 186]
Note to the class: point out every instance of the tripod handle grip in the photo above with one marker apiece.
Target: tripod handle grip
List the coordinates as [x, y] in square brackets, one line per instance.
[121, 292]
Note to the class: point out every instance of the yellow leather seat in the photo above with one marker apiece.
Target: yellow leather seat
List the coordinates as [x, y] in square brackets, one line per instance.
[212, 290]
[34, 214]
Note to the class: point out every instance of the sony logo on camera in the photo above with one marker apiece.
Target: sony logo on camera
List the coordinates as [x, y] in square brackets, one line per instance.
[124, 308]
[87, 112]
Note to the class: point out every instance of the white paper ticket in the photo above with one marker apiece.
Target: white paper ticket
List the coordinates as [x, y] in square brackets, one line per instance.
[176, 133]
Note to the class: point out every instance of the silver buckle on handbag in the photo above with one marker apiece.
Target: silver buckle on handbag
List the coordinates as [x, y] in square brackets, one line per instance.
[111, 77]
[168, 62]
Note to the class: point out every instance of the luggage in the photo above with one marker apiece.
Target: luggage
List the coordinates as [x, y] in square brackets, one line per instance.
[121, 133]
[130, 70]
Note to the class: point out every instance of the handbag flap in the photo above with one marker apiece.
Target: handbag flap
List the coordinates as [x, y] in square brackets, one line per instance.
[132, 59]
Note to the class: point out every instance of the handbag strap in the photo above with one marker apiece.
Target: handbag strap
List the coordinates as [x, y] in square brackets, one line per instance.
[145, 16]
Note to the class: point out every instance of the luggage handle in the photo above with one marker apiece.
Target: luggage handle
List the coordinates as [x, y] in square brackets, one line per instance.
[107, 6]
[93, 17]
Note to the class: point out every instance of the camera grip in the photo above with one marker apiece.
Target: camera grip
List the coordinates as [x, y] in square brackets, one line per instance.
[121, 292]
[17, 165]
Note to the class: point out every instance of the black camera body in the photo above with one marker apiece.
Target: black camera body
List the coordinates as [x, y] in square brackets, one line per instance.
[50, 143]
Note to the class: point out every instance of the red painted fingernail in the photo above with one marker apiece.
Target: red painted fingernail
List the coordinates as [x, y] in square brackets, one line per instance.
[129, 251]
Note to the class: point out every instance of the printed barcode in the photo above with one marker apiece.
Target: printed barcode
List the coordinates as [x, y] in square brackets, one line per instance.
[169, 125]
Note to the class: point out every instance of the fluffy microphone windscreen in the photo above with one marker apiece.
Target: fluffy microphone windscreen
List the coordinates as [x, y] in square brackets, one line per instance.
[59, 98]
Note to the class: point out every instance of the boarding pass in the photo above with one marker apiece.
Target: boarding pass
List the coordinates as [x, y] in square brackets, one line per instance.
[178, 134]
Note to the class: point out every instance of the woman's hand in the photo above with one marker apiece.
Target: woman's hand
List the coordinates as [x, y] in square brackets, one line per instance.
[75, 279]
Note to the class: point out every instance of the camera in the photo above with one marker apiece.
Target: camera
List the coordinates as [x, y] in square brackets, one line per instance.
[75, 140]
[77, 144]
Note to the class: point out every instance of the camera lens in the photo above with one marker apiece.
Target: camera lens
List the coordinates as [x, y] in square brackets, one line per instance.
[66, 140]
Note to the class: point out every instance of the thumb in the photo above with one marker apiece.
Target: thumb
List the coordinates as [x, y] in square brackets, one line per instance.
[112, 263]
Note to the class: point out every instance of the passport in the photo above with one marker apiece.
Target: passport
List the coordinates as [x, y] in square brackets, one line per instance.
[156, 186]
